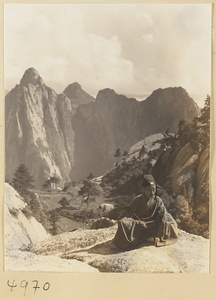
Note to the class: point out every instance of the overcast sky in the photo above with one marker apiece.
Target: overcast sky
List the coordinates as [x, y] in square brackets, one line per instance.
[131, 48]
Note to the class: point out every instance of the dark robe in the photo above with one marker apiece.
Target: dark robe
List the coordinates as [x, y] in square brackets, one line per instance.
[145, 219]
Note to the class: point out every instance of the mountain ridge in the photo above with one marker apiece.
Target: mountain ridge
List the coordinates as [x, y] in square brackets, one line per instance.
[114, 121]
[69, 137]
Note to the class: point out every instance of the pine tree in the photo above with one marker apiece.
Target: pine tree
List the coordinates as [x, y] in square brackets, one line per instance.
[142, 152]
[22, 180]
[205, 124]
[89, 189]
[54, 218]
[90, 176]
[117, 155]
[125, 153]
[64, 202]
[51, 182]
[197, 133]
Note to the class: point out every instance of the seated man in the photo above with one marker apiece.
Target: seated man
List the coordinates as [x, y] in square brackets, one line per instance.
[146, 217]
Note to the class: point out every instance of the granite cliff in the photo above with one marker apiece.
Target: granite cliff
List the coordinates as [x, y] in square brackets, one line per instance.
[39, 132]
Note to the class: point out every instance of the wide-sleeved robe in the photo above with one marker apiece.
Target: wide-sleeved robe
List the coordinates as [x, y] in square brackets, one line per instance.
[143, 220]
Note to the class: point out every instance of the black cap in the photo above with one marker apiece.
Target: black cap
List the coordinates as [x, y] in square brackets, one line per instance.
[147, 180]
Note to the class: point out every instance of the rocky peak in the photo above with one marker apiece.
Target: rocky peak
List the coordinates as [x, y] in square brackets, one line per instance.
[72, 89]
[31, 76]
[175, 96]
[77, 95]
[109, 96]
[106, 92]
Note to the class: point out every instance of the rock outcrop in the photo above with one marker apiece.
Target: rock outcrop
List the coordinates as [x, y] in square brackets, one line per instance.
[20, 231]
[190, 254]
[183, 171]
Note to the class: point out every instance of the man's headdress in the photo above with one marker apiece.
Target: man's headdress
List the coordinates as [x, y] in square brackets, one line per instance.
[148, 180]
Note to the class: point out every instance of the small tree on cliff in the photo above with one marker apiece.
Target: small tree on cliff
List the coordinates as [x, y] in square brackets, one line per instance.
[142, 153]
[117, 155]
[90, 176]
[196, 133]
[22, 180]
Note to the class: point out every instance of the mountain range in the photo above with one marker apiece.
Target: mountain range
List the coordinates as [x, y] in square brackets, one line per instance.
[72, 134]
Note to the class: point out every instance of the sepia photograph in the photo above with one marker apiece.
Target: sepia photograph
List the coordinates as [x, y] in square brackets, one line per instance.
[107, 137]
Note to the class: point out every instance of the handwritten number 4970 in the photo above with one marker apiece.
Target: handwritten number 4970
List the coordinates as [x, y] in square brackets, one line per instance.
[24, 284]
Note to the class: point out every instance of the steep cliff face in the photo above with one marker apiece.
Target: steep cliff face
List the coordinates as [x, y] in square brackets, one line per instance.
[22, 233]
[19, 230]
[114, 121]
[183, 171]
[177, 169]
[38, 130]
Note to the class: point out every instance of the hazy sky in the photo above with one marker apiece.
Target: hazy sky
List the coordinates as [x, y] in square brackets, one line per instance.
[131, 48]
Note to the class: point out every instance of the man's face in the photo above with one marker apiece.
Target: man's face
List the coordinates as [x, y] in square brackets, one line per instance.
[150, 190]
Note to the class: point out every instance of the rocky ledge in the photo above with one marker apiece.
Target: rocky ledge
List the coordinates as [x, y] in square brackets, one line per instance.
[94, 247]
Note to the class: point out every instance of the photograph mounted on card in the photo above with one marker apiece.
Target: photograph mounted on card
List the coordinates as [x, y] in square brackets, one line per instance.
[107, 137]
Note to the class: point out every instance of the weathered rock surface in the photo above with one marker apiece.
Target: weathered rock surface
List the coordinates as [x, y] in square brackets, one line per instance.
[21, 233]
[38, 130]
[182, 170]
[95, 247]
[17, 260]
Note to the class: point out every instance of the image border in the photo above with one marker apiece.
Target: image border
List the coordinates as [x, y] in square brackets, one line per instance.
[107, 285]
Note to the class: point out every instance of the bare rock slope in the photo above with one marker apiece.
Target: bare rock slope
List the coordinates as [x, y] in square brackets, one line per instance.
[22, 232]
[190, 254]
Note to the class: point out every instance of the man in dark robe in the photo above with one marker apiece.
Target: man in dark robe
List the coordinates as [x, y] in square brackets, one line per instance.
[145, 219]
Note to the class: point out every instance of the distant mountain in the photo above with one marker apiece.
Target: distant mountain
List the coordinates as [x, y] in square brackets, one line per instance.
[76, 94]
[70, 135]
[114, 121]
